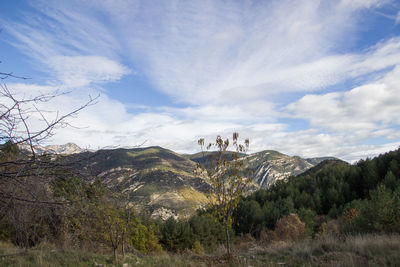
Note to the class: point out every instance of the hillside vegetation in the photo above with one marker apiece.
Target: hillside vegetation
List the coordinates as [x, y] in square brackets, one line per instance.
[156, 180]
[332, 214]
[163, 183]
[333, 196]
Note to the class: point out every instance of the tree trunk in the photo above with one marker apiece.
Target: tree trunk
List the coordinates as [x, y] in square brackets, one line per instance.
[115, 255]
[123, 245]
[228, 242]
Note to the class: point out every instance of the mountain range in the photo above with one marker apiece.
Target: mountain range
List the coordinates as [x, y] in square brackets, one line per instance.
[163, 183]
[67, 149]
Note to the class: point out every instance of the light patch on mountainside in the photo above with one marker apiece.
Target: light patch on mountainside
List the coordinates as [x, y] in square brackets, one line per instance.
[193, 196]
[163, 214]
[133, 187]
[167, 199]
[113, 170]
[151, 150]
[165, 168]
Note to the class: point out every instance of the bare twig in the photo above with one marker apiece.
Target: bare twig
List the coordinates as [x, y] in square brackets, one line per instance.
[26, 199]
[4, 75]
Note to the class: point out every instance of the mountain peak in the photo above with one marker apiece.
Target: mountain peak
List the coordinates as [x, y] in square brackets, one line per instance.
[67, 149]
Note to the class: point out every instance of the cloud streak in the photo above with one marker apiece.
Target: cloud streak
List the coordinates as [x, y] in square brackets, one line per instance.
[228, 66]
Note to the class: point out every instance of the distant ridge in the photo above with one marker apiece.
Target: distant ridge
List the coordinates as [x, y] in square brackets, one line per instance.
[162, 182]
[318, 160]
[67, 149]
[327, 163]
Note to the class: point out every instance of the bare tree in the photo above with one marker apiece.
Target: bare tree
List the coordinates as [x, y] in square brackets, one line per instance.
[15, 114]
[27, 204]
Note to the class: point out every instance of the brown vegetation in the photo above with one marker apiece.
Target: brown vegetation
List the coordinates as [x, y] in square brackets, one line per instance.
[288, 229]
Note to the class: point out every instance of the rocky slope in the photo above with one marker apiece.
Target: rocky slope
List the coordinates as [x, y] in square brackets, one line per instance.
[162, 182]
[270, 166]
[67, 149]
[155, 179]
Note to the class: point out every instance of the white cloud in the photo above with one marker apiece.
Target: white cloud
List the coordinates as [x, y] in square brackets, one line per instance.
[219, 51]
[398, 18]
[359, 4]
[108, 124]
[226, 53]
[81, 71]
[73, 48]
[365, 106]
[231, 64]
[28, 90]
[212, 52]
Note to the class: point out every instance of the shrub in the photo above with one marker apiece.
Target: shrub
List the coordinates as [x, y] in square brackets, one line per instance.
[290, 228]
[197, 248]
[176, 235]
[331, 227]
[207, 231]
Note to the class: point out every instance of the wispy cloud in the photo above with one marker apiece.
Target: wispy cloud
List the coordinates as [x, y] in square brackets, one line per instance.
[219, 51]
[80, 71]
[232, 66]
[357, 4]
[398, 18]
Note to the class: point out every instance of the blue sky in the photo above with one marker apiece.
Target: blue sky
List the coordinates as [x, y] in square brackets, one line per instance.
[309, 78]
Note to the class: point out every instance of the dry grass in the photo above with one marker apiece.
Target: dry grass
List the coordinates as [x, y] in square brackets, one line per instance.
[362, 250]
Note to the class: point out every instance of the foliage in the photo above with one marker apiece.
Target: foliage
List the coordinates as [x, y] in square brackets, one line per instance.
[197, 248]
[178, 236]
[380, 213]
[371, 187]
[289, 228]
[102, 217]
[252, 216]
[207, 231]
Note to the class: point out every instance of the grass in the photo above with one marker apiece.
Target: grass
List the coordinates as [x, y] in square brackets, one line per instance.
[363, 250]
[46, 257]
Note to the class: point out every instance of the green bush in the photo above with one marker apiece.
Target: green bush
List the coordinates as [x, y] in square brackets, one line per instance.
[207, 231]
[380, 213]
[176, 235]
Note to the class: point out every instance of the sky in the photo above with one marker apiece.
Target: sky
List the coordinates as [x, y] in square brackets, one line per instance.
[306, 77]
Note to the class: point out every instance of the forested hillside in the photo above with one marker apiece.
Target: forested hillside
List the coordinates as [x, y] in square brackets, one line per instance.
[364, 197]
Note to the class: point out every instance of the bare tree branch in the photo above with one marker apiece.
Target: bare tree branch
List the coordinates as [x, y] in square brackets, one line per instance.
[27, 202]
[4, 75]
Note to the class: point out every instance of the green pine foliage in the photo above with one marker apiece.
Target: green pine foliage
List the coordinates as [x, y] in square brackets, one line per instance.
[379, 213]
[371, 187]
[181, 235]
